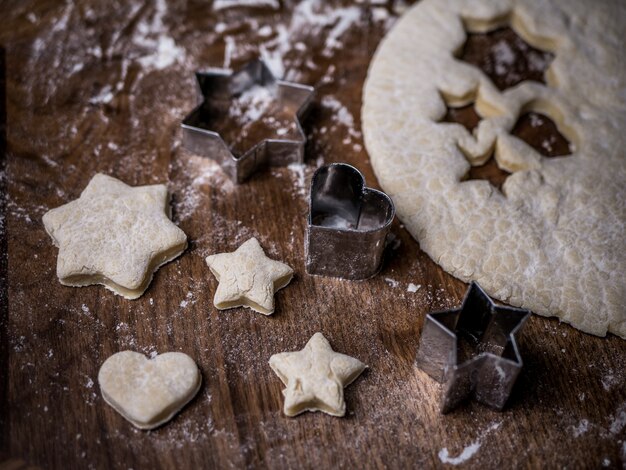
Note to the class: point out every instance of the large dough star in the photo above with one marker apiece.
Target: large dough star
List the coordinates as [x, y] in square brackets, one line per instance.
[114, 235]
[315, 377]
[248, 278]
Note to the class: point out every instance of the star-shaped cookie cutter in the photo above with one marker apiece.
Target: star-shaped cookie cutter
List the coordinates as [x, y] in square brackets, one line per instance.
[472, 350]
[218, 87]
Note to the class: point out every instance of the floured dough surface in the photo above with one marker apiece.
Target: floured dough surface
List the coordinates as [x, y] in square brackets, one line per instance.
[248, 278]
[315, 377]
[148, 392]
[115, 235]
[553, 241]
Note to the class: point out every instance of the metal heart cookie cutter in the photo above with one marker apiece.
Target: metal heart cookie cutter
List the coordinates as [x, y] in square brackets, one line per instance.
[247, 119]
[347, 224]
[472, 350]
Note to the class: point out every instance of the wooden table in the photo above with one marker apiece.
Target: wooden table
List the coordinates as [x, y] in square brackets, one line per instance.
[86, 93]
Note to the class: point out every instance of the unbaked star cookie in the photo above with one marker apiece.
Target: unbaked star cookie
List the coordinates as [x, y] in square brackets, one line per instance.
[148, 392]
[315, 377]
[115, 235]
[248, 278]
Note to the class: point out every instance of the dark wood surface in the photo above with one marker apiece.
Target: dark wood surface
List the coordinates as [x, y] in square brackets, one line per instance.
[567, 410]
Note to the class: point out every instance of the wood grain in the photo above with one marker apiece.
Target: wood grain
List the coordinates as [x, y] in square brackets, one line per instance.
[568, 408]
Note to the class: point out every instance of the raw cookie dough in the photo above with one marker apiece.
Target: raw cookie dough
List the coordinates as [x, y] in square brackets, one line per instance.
[315, 377]
[115, 235]
[148, 392]
[248, 278]
[554, 240]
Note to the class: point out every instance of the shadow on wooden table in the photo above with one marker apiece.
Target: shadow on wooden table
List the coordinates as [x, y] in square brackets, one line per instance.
[4, 262]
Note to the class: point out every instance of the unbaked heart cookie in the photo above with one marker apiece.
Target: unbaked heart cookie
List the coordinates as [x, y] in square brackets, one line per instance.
[553, 239]
[149, 392]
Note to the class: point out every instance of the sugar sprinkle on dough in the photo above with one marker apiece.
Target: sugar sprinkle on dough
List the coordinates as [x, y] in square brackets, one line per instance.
[114, 235]
[248, 278]
[315, 377]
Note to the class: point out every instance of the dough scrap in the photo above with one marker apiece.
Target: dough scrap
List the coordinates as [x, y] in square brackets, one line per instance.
[315, 377]
[149, 392]
[554, 241]
[114, 235]
[248, 278]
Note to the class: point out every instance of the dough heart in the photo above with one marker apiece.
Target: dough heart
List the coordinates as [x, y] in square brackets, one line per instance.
[149, 392]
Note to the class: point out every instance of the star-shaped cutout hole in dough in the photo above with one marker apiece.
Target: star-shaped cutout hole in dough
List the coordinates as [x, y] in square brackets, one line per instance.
[315, 377]
[248, 278]
[505, 57]
[114, 235]
[465, 115]
[468, 117]
[536, 129]
[542, 134]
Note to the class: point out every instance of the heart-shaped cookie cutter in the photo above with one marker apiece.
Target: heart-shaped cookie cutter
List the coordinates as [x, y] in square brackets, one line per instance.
[347, 224]
[216, 88]
[472, 350]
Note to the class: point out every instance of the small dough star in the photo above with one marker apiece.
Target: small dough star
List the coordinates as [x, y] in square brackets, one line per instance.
[315, 377]
[114, 235]
[248, 278]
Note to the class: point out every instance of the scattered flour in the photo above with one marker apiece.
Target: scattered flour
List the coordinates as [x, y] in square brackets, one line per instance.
[582, 428]
[469, 451]
[609, 380]
[341, 116]
[252, 104]
[535, 120]
[298, 170]
[220, 27]
[310, 18]
[105, 96]
[77, 67]
[161, 49]
[166, 54]
[538, 62]
[229, 49]
[187, 300]
[225, 4]
[392, 282]
[335, 221]
[265, 31]
[619, 421]
[200, 176]
[504, 57]
[380, 14]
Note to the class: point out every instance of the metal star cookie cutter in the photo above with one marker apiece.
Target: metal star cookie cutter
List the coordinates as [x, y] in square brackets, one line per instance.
[217, 88]
[472, 350]
[347, 224]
